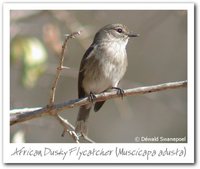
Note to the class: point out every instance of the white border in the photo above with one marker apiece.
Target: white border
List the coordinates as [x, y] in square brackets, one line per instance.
[9, 148]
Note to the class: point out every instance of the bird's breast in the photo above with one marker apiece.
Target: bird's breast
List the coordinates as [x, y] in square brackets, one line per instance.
[108, 67]
[114, 61]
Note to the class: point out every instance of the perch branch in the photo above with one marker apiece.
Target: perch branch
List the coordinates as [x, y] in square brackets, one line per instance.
[22, 115]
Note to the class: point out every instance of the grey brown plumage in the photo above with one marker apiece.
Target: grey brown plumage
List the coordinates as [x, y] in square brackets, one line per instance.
[102, 67]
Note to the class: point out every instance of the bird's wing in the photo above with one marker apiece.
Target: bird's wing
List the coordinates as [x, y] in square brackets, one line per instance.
[88, 54]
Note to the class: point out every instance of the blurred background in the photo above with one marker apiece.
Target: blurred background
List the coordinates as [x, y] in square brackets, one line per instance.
[159, 55]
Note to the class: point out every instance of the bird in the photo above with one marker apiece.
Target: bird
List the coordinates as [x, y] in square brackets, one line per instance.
[102, 67]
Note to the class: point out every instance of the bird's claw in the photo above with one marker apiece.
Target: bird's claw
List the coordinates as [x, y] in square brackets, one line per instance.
[91, 97]
[119, 91]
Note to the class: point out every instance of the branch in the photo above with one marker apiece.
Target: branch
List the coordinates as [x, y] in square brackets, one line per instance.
[66, 126]
[21, 115]
[60, 67]
[71, 132]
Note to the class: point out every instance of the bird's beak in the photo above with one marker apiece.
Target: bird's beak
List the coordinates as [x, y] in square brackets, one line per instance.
[133, 35]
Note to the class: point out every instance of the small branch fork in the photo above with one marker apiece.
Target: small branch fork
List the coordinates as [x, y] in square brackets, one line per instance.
[66, 126]
[71, 132]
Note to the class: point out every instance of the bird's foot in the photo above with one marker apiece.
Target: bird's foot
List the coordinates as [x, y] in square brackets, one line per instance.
[119, 91]
[91, 97]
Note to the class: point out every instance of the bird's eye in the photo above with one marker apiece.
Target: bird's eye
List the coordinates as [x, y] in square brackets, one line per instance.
[119, 30]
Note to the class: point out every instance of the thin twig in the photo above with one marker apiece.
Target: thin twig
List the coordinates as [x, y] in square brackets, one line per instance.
[60, 67]
[70, 129]
[18, 116]
[66, 126]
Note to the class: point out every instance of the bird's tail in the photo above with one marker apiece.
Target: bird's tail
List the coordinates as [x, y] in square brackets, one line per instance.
[98, 105]
[82, 120]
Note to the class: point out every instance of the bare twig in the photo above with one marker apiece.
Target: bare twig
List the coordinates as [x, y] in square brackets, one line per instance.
[66, 126]
[70, 129]
[20, 115]
[60, 67]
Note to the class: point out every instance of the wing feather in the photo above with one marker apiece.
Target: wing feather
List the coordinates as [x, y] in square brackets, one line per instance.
[86, 56]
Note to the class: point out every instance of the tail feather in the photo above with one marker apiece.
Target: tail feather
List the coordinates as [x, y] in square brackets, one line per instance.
[82, 119]
[98, 105]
